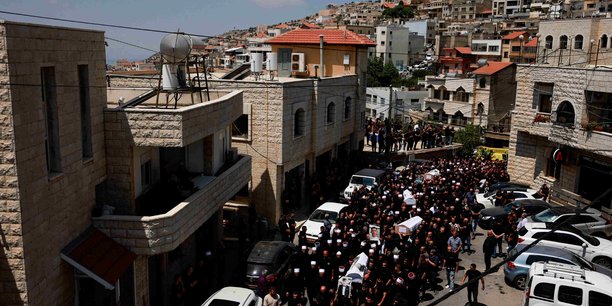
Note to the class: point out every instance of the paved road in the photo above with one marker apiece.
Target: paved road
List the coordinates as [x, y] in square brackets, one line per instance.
[496, 292]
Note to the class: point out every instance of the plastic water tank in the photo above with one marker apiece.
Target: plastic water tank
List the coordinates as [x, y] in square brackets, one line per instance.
[256, 62]
[272, 61]
[175, 48]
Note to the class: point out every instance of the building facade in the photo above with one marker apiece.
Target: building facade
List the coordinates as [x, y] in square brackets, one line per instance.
[565, 109]
[398, 45]
[383, 102]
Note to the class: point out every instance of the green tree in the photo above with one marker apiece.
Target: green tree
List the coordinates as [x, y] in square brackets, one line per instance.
[399, 11]
[469, 137]
[375, 70]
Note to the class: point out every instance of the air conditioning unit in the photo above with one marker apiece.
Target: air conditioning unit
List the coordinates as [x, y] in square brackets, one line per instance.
[298, 62]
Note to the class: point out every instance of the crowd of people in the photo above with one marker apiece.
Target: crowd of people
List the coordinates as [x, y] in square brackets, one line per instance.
[383, 135]
[402, 267]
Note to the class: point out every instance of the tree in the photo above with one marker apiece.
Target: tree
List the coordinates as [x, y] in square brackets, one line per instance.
[399, 11]
[381, 74]
[469, 137]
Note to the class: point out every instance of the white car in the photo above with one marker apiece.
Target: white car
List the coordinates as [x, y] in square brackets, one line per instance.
[234, 296]
[315, 221]
[363, 177]
[488, 199]
[595, 249]
[589, 222]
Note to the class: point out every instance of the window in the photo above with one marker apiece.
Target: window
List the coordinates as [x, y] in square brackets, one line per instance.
[347, 108]
[548, 42]
[483, 82]
[565, 113]
[390, 43]
[505, 54]
[240, 127]
[331, 113]
[553, 169]
[493, 48]
[604, 41]
[599, 110]
[599, 299]
[535, 258]
[578, 42]
[86, 141]
[542, 93]
[369, 99]
[382, 43]
[516, 48]
[299, 123]
[145, 174]
[544, 290]
[563, 42]
[569, 239]
[570, 295]
[382, 100]
[414, 101]
[49, 98]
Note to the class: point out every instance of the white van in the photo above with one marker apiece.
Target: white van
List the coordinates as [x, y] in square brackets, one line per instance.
[563, 284]
[363, 177]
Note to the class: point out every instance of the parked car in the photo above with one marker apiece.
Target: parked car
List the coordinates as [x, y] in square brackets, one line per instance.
[271, 256]
[234, 296]
[561, 284]
[481, 197]
[589, 222]
[517, 270]
[490, 215]
[511, 194]
[315, 221]
[594, 249]
[363, 177]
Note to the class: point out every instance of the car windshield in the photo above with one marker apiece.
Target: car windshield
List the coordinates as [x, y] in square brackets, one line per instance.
[319, 215]
[361, 180]
[546, 216]
[218, 302]
[583, 263]
[254, 269]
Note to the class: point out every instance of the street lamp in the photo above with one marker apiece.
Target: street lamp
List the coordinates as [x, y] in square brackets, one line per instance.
[521, 38]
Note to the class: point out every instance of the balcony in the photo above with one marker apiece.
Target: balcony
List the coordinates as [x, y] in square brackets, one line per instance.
[149, 235]
[160, 121]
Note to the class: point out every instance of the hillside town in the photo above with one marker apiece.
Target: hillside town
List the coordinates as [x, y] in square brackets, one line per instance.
[388, 152]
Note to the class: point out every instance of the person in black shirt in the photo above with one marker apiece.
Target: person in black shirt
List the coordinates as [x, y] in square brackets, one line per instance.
[488, 247]
[472, 287]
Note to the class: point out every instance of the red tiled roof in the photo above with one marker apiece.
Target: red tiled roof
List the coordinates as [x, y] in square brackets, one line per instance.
[389, 5]
[514, 35]
[464, 50]
[331, 37]
[308, 25]
[261, 35]
[532, 43]
[282, 26]
[492, 68]
[487, 12]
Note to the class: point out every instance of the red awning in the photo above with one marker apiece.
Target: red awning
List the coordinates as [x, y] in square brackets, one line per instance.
[99, 257]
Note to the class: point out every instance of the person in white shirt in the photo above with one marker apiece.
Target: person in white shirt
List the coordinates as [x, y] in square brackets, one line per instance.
[272, 298]
[522, 221]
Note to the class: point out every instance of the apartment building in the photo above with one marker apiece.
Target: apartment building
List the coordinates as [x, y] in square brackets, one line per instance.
[457, 61]
[511, 8]
[97, 196]
[487, 48]
[469, 10]
[575, 42]
[450, 100]
[423, 27]
[519, 47]
[398, 45]
[385, 102]
[561, 131]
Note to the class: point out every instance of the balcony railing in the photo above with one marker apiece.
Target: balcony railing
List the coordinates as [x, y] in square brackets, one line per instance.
[149, 235]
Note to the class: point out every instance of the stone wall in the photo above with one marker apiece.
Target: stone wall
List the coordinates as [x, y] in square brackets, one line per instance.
[12, 265]
[150, 235]
[52, 209]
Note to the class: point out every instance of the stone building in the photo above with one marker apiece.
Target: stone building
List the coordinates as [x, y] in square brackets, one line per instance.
[95, 197]
[575, 42]
[450, 100]
[382, 103]
[565, 109]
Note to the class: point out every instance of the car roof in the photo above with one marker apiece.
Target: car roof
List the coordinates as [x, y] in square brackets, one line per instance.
[525, 201]
[545, 250]
[370, 172]
[332, 206]
[265, 251]
[561, 271]
[236, 294]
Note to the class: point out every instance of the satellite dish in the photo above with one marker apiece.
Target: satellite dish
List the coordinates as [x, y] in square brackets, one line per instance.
[175, 48]
[482, 62]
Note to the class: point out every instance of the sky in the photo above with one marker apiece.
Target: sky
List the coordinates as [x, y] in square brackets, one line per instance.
[205, 17]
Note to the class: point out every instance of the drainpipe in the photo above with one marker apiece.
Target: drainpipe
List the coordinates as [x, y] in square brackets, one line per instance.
[321, 55]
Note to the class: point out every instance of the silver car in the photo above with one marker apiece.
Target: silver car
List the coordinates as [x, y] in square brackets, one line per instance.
[517, 270]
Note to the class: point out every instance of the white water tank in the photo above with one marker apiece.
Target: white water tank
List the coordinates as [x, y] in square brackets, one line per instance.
[173, 76]
[272, 61]
[256, 62]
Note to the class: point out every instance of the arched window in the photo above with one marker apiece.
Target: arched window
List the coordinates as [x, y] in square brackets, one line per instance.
[331, 112]
[299, 123]
[347, 108]
[565, 113]
[461, 95]
[483, 82]
[578, 42]
[563, 42]
[549, 42]
[604, 41]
